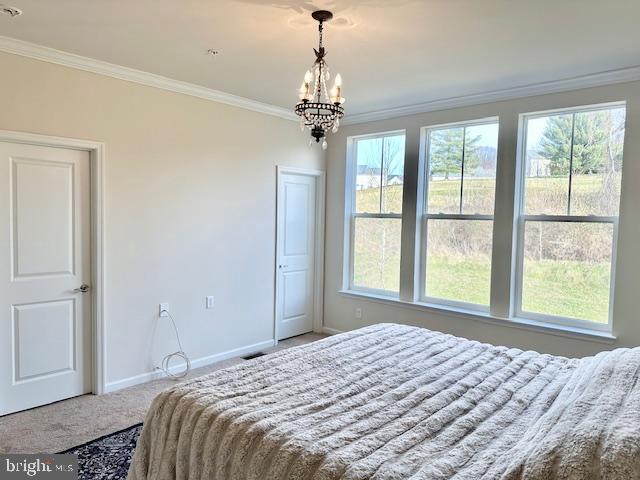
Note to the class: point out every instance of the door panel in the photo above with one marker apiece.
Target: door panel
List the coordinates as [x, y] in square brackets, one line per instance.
[45, 329]
[42, 217]
[296, 254]
[44, 339]
[295, 294]
[296, 210]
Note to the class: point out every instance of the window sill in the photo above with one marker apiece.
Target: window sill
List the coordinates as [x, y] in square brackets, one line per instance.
[520, 323]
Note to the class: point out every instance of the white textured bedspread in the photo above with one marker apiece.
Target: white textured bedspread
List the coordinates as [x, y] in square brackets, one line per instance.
[396, 402]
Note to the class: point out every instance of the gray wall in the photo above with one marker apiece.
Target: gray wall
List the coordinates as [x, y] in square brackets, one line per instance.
[190, 194]
[340, 308]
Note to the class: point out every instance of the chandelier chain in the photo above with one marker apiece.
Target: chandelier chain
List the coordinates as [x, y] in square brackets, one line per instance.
[320, 61]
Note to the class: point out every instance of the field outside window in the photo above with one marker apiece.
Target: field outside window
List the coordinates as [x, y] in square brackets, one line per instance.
[568, 214]
[376, 221]
[460, 183]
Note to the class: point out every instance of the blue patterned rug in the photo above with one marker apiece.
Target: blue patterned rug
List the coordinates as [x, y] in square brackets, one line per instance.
[108, 457]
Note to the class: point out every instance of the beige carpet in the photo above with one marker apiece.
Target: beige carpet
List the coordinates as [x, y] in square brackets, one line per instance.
[64, 424]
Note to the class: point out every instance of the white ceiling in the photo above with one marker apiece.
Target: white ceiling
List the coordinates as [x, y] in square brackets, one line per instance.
[390, 53]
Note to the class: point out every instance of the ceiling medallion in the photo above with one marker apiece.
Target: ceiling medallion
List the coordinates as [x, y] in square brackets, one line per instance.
[320, 110]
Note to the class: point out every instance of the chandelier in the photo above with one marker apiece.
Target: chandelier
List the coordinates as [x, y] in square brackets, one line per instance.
[320, 110]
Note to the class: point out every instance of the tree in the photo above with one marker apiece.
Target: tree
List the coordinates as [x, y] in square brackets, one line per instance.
[593, 151]
[392, 157]
[392, 165]
[446, 151]
[369, 161]
[614, 124]
[381, 167]
[382, 157]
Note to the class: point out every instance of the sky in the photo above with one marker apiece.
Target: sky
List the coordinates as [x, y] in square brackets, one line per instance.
[369, 153]
[488, 133]
[535, 127]
[369, 149]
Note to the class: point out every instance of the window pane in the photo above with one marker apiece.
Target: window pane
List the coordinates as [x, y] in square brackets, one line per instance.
[480, 158]
[445, 170]
[548, 153]
[567, 269]
[392, 174]
[376, 253]
[368, 175]
[459, 260]
[597, 162]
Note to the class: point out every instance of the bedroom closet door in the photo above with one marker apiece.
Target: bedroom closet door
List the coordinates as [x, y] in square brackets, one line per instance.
[45, 272]
[296, 253]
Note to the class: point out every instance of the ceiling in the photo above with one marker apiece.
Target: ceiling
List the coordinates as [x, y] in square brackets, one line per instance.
[390, 53]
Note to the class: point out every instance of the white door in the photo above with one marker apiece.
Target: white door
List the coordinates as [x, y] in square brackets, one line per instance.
[45, 329]
[296, 253]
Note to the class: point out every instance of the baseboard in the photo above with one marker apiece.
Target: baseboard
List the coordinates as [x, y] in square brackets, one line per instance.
[331, 331]
[197, 363]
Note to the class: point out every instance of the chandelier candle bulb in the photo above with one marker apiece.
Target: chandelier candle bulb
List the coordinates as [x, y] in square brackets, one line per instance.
[319, 109]
[335, 96]
[304, 91]
[336, 91]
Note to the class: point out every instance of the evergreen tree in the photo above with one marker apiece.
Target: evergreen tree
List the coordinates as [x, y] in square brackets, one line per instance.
[446, 147]
[591, 137]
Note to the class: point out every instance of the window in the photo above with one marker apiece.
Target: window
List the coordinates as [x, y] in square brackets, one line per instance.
[457, 222]
[571, 165]
[558, 227]
[376, 212]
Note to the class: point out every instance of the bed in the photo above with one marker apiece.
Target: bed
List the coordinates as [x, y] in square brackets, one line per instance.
[397, 402]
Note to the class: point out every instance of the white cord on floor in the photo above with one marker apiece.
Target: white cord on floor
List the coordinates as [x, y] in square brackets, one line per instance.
[180, 354]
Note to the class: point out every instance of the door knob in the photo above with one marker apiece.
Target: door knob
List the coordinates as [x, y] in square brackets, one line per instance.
[283, 266]
[84, 288]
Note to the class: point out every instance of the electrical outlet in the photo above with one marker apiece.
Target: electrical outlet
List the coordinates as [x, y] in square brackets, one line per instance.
[163, 310]
[210, 301]
[358, 313]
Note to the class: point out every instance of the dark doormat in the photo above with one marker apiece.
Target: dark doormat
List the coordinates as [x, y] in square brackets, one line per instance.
[107, 457]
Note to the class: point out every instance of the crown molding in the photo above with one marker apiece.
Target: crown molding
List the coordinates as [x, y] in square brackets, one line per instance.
[51, 55]
[610, 77]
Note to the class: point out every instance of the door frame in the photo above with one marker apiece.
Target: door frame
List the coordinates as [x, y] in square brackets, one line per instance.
[318, 287]
[96, 159]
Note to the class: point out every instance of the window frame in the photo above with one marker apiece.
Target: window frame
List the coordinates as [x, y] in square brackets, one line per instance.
[510, 170]
[521, 218]
[351, 215]
[424, 216]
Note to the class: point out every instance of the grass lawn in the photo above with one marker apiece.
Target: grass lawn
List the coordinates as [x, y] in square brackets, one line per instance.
[570, 288]
[543, 195]
[562, 288]
[567, 289]
[463, 281]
